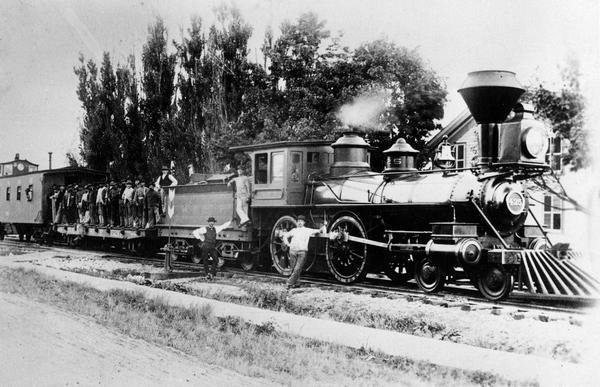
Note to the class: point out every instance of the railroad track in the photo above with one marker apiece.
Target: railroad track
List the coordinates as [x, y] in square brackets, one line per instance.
[454, 296]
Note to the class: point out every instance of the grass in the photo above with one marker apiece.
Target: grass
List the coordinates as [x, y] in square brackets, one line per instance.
[273, 296]
[254, 350]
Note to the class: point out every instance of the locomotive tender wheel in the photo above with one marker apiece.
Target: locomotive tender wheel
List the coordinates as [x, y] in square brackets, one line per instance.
[246, 261]
[347, 260]
[429, 276]
[494, 282]
[197, 256]
[279, 251]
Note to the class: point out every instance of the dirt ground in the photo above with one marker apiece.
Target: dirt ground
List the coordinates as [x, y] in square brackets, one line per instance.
[42, 345]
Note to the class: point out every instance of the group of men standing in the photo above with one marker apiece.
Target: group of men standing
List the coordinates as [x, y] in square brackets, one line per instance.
[126, 204]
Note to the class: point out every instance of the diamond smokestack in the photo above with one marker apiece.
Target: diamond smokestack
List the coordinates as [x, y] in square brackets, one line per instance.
[490, 95]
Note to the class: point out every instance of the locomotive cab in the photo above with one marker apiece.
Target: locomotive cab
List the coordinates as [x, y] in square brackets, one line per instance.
[280, 170]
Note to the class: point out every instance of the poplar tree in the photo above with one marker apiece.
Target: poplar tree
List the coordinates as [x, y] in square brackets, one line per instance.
[158, 91]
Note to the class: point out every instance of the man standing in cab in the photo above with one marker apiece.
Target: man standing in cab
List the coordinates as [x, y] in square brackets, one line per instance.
[297, 241]
[241, 186]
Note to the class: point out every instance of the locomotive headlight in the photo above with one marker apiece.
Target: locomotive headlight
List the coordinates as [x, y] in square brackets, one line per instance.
[515, 202]
[535, 142]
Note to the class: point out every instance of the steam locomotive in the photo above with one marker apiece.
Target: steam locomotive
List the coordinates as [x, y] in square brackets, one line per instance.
[436, 226]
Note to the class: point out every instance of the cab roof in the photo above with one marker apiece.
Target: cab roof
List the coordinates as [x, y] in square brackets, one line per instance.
[280, 144]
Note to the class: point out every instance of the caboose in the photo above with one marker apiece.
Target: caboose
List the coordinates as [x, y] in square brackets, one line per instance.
[24, 197]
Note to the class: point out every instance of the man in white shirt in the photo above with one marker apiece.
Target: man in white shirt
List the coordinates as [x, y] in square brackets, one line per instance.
[101, 203]
[299, 237]
[241, 185]
[166, 179]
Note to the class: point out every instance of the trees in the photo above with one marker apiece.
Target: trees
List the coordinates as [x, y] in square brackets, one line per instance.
[158, 74]
[417, 95]
[190, 104]
[564, 111]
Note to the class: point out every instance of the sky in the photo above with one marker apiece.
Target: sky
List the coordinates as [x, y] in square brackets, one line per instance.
[40, 42]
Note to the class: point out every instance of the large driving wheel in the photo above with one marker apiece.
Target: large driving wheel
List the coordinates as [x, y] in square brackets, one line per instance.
[347, 260]
[399, 268]
[279, 251]
[429, 276]
[494, 282]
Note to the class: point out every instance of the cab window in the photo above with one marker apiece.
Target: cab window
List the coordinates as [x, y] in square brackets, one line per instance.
[260, 168]
[276, 167]
[29, 193]
[18, 192]
[296, 167]
[7, 193]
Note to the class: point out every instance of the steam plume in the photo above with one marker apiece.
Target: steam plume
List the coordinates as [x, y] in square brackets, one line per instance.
[365, 110]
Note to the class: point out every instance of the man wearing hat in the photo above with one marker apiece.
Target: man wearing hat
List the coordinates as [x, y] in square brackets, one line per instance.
[113, 203]
[241, 193]
[101, 203]
[70, 200]
[152, 204]
[208, 235]
[166, 179]
[83, 204]
[128, 195]
[59, 205]
[297, 240]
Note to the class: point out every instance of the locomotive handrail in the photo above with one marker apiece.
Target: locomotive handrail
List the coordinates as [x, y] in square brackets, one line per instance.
[343, 177]
[489, 224]
[407, 232]
[540, 226]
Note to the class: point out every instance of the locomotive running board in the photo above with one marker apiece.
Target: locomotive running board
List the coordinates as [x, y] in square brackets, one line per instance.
[541, 272]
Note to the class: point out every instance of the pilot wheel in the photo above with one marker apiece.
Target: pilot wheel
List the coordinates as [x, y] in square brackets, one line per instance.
[494, 282]
[429, 276]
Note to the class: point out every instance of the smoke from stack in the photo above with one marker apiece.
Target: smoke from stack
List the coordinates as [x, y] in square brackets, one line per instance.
[365, 110]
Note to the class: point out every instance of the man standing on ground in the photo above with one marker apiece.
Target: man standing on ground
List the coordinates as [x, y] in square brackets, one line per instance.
[209, 237]
[298, 246]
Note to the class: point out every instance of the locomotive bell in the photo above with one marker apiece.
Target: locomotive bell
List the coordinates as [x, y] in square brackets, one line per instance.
[400, 157]
[490, 95]
[349, 155]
